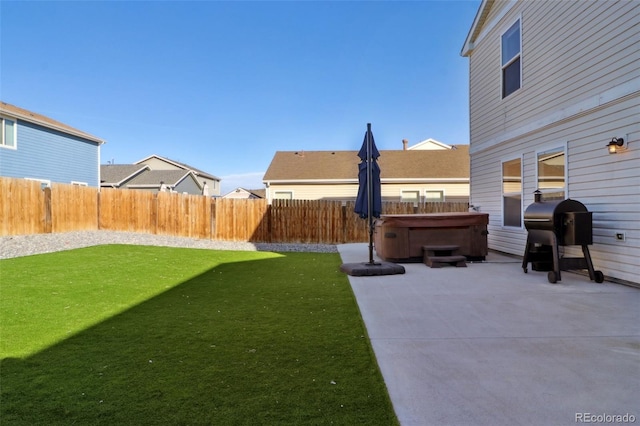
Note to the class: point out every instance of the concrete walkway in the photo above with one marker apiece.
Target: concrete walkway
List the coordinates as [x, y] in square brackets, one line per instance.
[491, 345]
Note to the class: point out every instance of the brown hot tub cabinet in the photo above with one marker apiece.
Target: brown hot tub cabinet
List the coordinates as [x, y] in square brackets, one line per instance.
[400, 237]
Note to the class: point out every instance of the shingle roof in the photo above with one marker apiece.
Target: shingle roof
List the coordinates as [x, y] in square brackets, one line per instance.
[260, 193]
[115, 174]
[42, 120]
[256, 193]
[394, 164]
[197, 171]
[184, 166]
[154, 177]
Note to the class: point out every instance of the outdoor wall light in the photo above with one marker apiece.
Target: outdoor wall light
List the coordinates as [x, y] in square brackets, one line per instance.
[615, 145]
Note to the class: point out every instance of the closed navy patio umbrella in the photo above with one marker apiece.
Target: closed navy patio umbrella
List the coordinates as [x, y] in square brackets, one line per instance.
[368, 206]
[369, 198]
[368, 173]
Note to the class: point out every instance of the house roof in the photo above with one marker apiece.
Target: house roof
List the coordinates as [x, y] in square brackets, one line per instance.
[260, 193]
[116, 174]
[33, 117]
[153, 178]
[478, 23]
[256, 193]
[180, 165]
[290, 166]
[429, 144]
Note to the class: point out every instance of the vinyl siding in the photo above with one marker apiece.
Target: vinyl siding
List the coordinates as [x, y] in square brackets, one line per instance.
[608, 185]
[603, 54]
[158, 164]
[497, 9]
[189, 186]
[214, 186]
[51, 155]
[458, 192]
[241, 194]
[580, 88]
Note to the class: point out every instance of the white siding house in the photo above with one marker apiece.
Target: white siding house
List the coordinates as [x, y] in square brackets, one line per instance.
[551, 84]
[419, 176]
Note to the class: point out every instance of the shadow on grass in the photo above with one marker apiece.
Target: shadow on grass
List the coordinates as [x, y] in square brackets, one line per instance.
[273, 341]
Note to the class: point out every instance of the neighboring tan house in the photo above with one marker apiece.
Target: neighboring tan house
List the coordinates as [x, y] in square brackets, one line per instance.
[241, 193]
[36, 147]
[552, 83]
[406, 175]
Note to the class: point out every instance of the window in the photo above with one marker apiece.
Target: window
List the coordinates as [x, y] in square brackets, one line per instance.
[7, 132]
[512, 193]
[410, 197]
[552, 174]
[511, 65]
[44, 183]
[283, 195]
[434, 196]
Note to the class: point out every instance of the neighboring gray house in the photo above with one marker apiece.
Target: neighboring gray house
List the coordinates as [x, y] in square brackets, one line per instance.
[117, 175]
[155, 162]
[551, 84]
[159, 174]
[36, 147]
[132, 176]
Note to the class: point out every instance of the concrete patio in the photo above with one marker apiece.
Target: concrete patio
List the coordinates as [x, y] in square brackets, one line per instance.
[491, 345]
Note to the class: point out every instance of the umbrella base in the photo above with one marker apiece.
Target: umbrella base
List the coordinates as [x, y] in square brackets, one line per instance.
[366, 269]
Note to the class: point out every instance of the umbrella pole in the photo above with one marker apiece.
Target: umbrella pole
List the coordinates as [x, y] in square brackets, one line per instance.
[370, 193]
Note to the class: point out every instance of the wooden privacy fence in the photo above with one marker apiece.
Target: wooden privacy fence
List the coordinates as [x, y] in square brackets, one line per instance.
[28, 208]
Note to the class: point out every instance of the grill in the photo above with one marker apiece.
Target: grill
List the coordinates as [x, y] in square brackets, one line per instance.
[551, 224]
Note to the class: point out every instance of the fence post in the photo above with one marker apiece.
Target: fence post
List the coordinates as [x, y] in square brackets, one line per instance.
[212, 220]
[98, 208]
[343, 222]
[154, 214]
[48, 220]
[267, 215]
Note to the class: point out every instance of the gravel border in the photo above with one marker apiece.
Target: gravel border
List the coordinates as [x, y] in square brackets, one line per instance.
[26, 245]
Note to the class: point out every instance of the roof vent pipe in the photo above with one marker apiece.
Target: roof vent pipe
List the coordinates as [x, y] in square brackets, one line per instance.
[405, 144]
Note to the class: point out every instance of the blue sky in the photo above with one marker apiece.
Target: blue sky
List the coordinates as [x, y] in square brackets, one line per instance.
[222, 85]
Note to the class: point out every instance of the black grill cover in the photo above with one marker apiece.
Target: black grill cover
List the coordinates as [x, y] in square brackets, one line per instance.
[568, 219]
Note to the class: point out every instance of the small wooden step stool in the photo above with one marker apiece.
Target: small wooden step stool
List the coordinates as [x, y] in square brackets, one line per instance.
[437, 256]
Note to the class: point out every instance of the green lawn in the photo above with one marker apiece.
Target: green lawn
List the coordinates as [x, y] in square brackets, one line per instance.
[154, 336]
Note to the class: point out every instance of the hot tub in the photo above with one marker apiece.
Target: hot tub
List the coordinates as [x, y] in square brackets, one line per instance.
[400, 237]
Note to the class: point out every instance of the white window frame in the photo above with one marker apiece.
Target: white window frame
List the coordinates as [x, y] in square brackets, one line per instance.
[504, 194]
[562, 146]
[442, 196]
[77, 183]
[511, 60]
[3, 120]
[44, 183]
[412, 200]
[275, 194]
